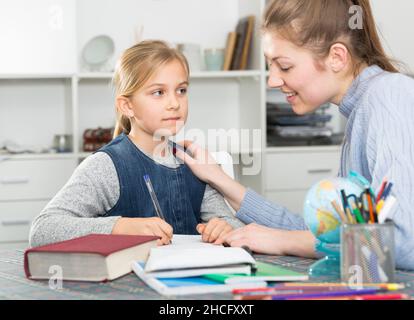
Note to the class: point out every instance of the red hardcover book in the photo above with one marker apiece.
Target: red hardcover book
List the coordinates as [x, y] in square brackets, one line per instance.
[95, 257]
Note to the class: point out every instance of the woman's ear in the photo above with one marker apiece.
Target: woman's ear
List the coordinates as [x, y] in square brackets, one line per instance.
[338, 58]
[124, 106]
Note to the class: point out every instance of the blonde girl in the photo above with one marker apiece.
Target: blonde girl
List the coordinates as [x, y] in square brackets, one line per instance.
[107, 192]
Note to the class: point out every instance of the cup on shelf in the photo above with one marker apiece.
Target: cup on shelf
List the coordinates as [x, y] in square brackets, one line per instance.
[214, 59]
[193, 54]
[63, 143]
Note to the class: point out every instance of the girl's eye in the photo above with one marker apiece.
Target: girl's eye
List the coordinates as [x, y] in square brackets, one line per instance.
[182, 91]
[158, 93]
[285, 69]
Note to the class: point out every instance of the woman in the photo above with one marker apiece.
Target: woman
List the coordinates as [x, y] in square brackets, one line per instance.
[315, 57]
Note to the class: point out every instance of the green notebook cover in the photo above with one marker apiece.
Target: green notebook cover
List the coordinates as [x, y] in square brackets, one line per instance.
[265, 272]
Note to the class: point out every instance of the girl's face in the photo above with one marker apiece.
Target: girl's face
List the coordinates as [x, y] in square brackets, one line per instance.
[160, 107]
[293, 70]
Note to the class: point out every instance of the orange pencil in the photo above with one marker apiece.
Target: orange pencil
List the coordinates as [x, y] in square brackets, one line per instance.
[371, 209]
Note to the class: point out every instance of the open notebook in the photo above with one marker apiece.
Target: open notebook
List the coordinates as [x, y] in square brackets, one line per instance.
[189, 256]
[178, 269]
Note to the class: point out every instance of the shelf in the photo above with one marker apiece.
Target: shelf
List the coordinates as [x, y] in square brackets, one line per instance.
[108, 76]
[226, 74]
[37, 156]
[332, 148]
[79, 155]
[195, 75]
[95, 75]
[34, 76]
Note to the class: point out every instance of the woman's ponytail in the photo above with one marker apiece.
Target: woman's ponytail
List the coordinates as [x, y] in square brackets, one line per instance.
[367, 42]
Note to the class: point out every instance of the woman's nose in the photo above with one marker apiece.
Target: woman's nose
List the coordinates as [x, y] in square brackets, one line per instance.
[275, 81]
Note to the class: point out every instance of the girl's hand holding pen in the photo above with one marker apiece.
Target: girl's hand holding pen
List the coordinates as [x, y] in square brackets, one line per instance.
[145, 227]
[214, 231]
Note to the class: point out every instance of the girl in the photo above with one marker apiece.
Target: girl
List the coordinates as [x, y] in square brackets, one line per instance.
[107, 192]
[315, 57]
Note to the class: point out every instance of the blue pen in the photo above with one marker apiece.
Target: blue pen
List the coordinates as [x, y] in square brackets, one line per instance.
[153, 197]
[387, 191]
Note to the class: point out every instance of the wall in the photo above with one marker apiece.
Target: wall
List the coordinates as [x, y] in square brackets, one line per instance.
[396, 24]
[161, 19]
[40, 36]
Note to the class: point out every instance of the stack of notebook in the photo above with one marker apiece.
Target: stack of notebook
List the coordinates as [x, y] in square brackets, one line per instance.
[189, 266]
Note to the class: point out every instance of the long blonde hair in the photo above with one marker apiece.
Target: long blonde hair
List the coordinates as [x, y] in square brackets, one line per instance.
[135, 67]
[318, 24]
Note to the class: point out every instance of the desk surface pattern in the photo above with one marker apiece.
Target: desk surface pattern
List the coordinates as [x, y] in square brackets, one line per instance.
[15, 286]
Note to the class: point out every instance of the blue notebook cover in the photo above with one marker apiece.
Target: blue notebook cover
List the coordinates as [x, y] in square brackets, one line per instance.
[193, 281]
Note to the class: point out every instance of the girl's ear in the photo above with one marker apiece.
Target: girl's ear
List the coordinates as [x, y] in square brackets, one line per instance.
[124, 106]
[338, 58]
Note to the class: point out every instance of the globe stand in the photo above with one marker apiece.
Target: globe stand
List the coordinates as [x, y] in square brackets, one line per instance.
[329, 266]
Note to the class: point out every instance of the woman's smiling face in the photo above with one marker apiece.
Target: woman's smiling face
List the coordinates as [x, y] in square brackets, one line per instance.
[308, 84]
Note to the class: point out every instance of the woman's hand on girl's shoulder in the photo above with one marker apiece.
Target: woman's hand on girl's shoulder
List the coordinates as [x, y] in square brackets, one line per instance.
[200, 161]
[145, 227]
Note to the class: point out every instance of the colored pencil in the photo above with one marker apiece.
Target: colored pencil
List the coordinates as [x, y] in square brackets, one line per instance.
[388, 286]
[384, 184]
[269, 290]
[341, 293]
[371, 297]
[340, 211]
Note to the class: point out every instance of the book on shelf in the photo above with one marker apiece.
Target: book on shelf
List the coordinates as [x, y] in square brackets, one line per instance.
[244, 31]
[95, 257]
[230, 47]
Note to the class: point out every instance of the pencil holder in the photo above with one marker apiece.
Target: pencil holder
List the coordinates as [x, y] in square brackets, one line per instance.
[367, 253]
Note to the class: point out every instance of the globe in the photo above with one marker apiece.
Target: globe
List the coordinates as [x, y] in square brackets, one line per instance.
[319, 212]
[325, 222]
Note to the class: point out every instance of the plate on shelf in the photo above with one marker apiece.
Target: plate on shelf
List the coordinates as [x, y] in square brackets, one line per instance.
[98, 51]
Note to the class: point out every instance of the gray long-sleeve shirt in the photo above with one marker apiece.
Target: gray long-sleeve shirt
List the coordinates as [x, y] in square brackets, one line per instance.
[79, 207]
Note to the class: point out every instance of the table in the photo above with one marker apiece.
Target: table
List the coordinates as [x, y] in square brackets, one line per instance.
[14, 285]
